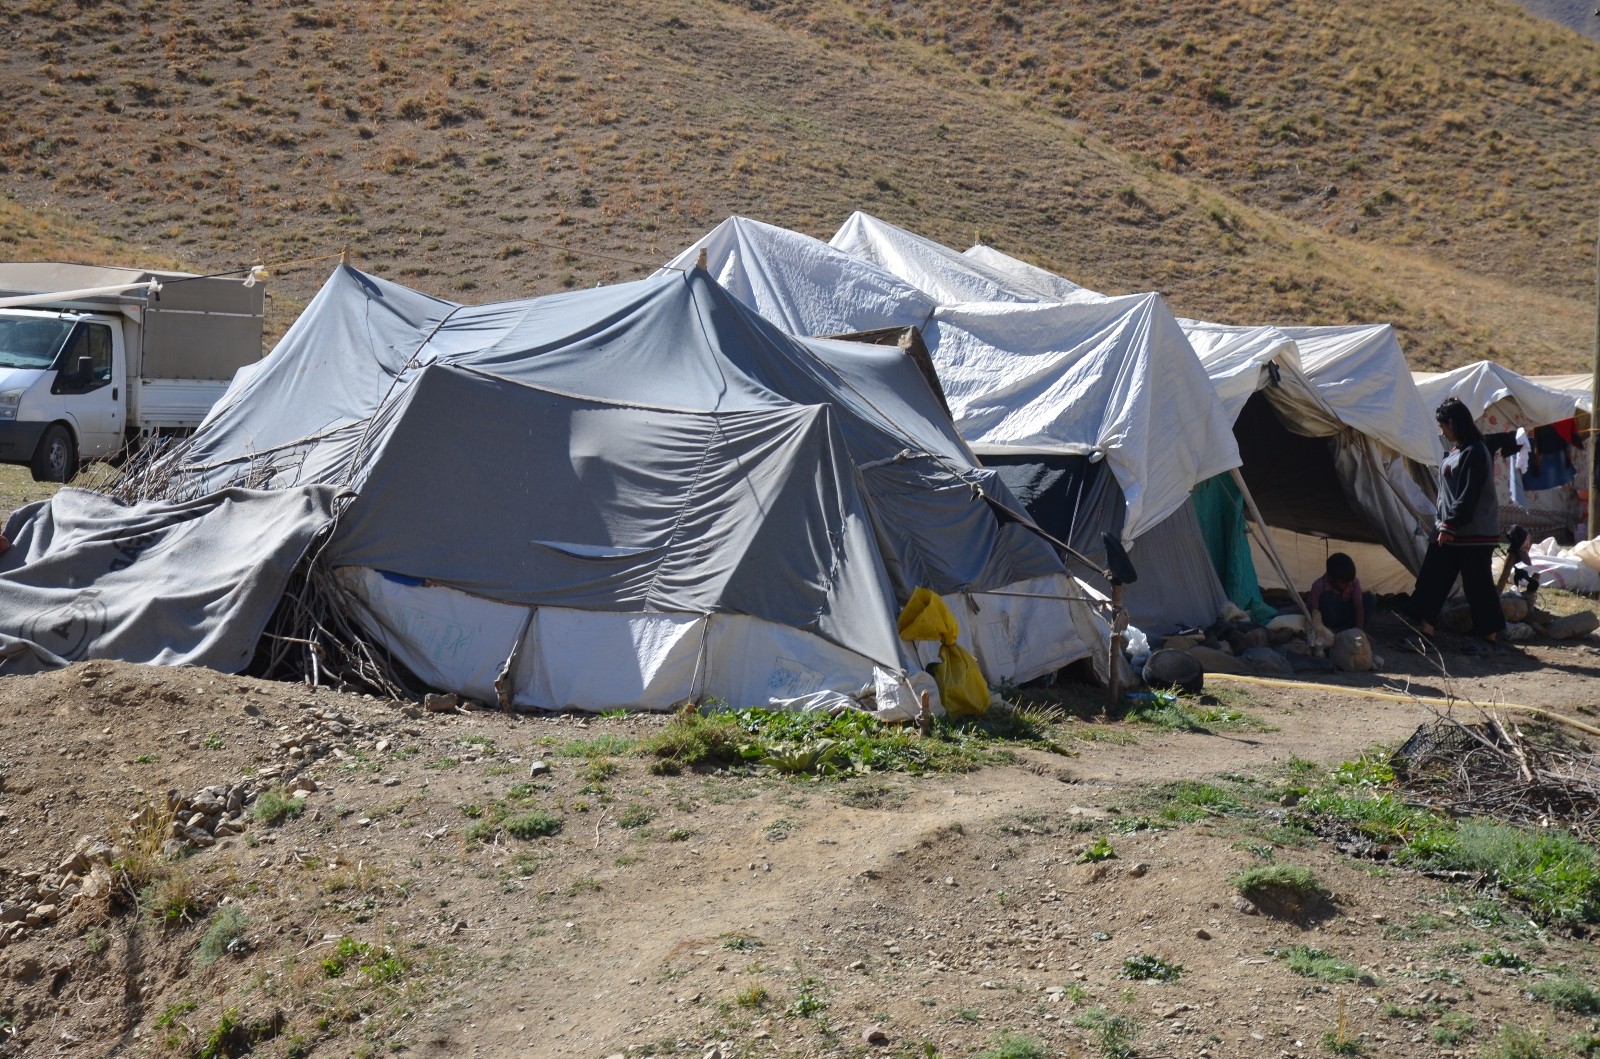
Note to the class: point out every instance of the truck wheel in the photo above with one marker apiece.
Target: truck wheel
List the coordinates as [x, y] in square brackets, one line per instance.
[56, 458]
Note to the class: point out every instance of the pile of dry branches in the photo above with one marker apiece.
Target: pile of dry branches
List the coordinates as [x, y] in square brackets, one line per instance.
[1541, 777]
[313, 636]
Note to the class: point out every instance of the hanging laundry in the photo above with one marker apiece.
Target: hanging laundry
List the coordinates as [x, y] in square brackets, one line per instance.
[1550, 464]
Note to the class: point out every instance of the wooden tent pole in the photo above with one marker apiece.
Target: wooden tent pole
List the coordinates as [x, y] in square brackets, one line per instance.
[1267, 545]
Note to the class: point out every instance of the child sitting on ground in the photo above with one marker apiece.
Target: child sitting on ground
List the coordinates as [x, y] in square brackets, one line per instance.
[1338, 597]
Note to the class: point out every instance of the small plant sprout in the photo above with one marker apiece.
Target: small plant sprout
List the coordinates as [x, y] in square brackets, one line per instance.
[1150, 969]
[1098, 850]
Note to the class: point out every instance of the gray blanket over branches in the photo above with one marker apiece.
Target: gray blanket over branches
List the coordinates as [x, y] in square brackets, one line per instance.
[169, 583]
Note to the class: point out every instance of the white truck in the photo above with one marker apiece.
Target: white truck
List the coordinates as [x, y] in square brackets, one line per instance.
[94, 358]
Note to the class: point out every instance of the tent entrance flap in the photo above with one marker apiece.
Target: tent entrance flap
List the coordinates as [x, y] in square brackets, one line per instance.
[1219, 508]
[1294, 478]
[1077, 500]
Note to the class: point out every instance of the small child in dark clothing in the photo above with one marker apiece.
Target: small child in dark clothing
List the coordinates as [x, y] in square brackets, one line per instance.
[1337, 594]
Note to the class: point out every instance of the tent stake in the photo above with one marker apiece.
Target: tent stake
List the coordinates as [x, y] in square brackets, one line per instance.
[1119, 625]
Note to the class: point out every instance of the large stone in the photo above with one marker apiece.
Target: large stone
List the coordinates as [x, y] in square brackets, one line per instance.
[1578, 624]
[1243, 640]
[1266, 662]
[1352, 651]
[1514, 606]
[440, 703]
[1303, 661]
[1214, 661]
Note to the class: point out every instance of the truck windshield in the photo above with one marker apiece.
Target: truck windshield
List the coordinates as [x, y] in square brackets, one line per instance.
[28, 343]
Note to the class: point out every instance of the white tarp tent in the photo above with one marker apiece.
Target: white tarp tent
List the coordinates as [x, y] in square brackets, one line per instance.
[1348, 384]
[1580, 388]
[1361, 490]
[1503, 401]
[1487, 388]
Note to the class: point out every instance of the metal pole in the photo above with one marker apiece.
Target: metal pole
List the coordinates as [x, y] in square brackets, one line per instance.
[1594, 400]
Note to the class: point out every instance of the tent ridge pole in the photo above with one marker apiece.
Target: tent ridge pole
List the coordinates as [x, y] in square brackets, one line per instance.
[1266, 540]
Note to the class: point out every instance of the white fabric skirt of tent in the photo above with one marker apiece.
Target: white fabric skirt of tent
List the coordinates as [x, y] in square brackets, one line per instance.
[1306, 557]
[596, 660]
[1029, 628]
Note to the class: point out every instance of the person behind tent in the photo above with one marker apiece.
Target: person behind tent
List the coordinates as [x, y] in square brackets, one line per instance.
[1338, 597]
[1465, 534]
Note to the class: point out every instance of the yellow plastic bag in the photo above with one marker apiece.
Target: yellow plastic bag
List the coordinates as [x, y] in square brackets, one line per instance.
[927, 618]
[962, 688]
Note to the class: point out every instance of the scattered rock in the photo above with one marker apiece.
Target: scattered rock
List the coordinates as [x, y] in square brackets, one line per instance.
[1457, 618]
[537, 769]
[1168, 668]
[440, 703]
[1202, 933]
[1214, 661]
[1137, 870]
[1266, 662]
[1572, 625]
[1352, 651]
[874, 1035]
[1514, 606]
[1248, 639]
[1246, 906]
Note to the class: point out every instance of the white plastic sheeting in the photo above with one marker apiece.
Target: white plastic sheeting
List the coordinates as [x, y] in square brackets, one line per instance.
[1580, 388]
[1030, 281]
[1350, 384]
[1360, 371]
[1107, 377]
[1485, 387]
[1113, 380]
[567, 658]
[1236, 360]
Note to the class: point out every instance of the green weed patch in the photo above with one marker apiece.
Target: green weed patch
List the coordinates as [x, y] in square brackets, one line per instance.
[1554, 874]
[1323, 966]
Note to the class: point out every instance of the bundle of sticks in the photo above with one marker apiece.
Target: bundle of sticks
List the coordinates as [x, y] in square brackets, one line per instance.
[1540, 777]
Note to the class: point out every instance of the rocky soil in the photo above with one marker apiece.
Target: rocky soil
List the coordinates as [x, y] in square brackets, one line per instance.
[150, 905]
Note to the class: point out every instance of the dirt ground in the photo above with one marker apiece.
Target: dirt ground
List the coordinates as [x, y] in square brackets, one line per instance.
[717, 913]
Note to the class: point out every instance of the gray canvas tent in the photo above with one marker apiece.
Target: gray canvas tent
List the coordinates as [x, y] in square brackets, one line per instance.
[637, 495]
[1087, 407]
[190, 582]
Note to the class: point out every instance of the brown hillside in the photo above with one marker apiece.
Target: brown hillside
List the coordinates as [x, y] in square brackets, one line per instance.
[1256, 162]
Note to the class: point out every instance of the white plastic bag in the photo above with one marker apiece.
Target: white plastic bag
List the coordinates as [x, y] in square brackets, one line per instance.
[1137, 647]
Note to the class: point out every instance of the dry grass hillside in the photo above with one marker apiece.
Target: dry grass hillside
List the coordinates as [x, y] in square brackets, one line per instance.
[1422, 164]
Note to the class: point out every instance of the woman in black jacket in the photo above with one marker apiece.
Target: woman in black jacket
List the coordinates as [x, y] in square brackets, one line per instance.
[1466, 533]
